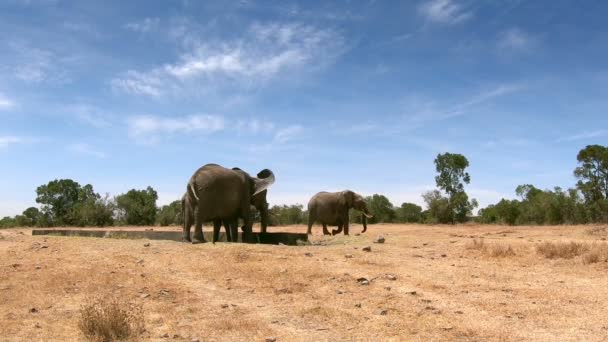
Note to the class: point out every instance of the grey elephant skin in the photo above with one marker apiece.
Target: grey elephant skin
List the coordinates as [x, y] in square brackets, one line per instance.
[215, 193]
[331, 209]
[258, 202]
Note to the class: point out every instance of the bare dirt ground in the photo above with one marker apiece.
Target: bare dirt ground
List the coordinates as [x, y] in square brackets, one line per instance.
[425, 283]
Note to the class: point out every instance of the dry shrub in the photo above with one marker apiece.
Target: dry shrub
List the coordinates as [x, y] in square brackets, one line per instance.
[495, 250]
[597, 231]
[107, 320]
[597, 253]
[501, 251]
[563, 250]
[475, 244]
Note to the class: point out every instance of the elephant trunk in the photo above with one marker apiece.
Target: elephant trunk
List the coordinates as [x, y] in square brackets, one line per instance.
[364, 220]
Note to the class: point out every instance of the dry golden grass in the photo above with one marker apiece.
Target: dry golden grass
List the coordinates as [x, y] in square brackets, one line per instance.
[440, 283]
[563, 250]
[110, 319]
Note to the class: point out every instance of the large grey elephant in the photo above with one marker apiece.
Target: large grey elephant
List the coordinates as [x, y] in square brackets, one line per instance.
[215, 193]
[331, 208]
[258, 202]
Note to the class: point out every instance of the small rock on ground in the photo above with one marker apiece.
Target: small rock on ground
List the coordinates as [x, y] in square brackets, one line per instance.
[381, 312]
[380, 239]
[271, 339]
[363, 281]
[390, 276]
[147, 244]
[348, 256]
[367, 249]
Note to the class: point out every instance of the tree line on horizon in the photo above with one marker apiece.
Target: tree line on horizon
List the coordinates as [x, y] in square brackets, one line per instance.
[64, 202]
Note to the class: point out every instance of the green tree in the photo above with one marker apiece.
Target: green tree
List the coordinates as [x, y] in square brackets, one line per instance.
[281, 215]
[60, 197]
[593, 172]
[438, 208]
[170, 214]
[137, 207]
[381, 208]
[451, 178]
[31, 217]
[94, 211]
[409, 213]
[7, 222]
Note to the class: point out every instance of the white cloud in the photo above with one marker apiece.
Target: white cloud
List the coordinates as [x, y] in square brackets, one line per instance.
[444, 11]
[6, 103]
[515, 39]
[144, 26]
[137, 83]
[85, 149]
[148, 129]
[585, 135]
[263, 52]
[288, 133]
[7, 140]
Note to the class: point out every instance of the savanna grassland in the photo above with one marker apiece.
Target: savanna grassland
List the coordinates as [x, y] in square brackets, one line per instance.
[466, 282]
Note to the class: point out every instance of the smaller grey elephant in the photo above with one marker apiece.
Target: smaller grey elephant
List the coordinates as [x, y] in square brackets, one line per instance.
[331, 208]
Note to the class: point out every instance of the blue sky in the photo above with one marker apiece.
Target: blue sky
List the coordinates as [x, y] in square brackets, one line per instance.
[329, 95]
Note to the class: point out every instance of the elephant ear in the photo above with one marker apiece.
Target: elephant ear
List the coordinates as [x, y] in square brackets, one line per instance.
[263, 183]
[349, 198]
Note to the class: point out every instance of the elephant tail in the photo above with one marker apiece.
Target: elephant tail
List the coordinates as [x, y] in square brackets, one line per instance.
[192, 191]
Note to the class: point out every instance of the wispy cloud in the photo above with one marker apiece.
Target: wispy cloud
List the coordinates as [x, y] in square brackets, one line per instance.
[254, 126]
[36, 65]
[145, 25]
[150, 129]
[89, 115]
[263, 52]
[7, 140]
[86, 150]
[6, 103]
[515, 39]
[429, 110]
[288, 133]
[508, 142]
[585, 135]
[444, 11]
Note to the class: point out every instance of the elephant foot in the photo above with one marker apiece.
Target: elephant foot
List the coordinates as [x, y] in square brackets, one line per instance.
[198, 239]
[334, 232]
[186, 239]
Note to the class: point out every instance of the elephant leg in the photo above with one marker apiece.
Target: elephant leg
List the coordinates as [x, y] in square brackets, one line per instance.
[188, 221]
[337, 231]
[217, 225]
[325, 231]
[311, 220]
[198, 228]
[226, 224]
[346, 228]
[234, 230]
[247, 224]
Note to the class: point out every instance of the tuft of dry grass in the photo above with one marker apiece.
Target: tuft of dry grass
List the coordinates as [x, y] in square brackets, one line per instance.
[496, 250]
[597, 231]
[501, 251]
[561, 250]
[476, 244]
[106, 320]
[597, 253]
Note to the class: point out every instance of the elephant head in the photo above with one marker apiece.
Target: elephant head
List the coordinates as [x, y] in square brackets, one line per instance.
[259, 200]
[356, 201]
